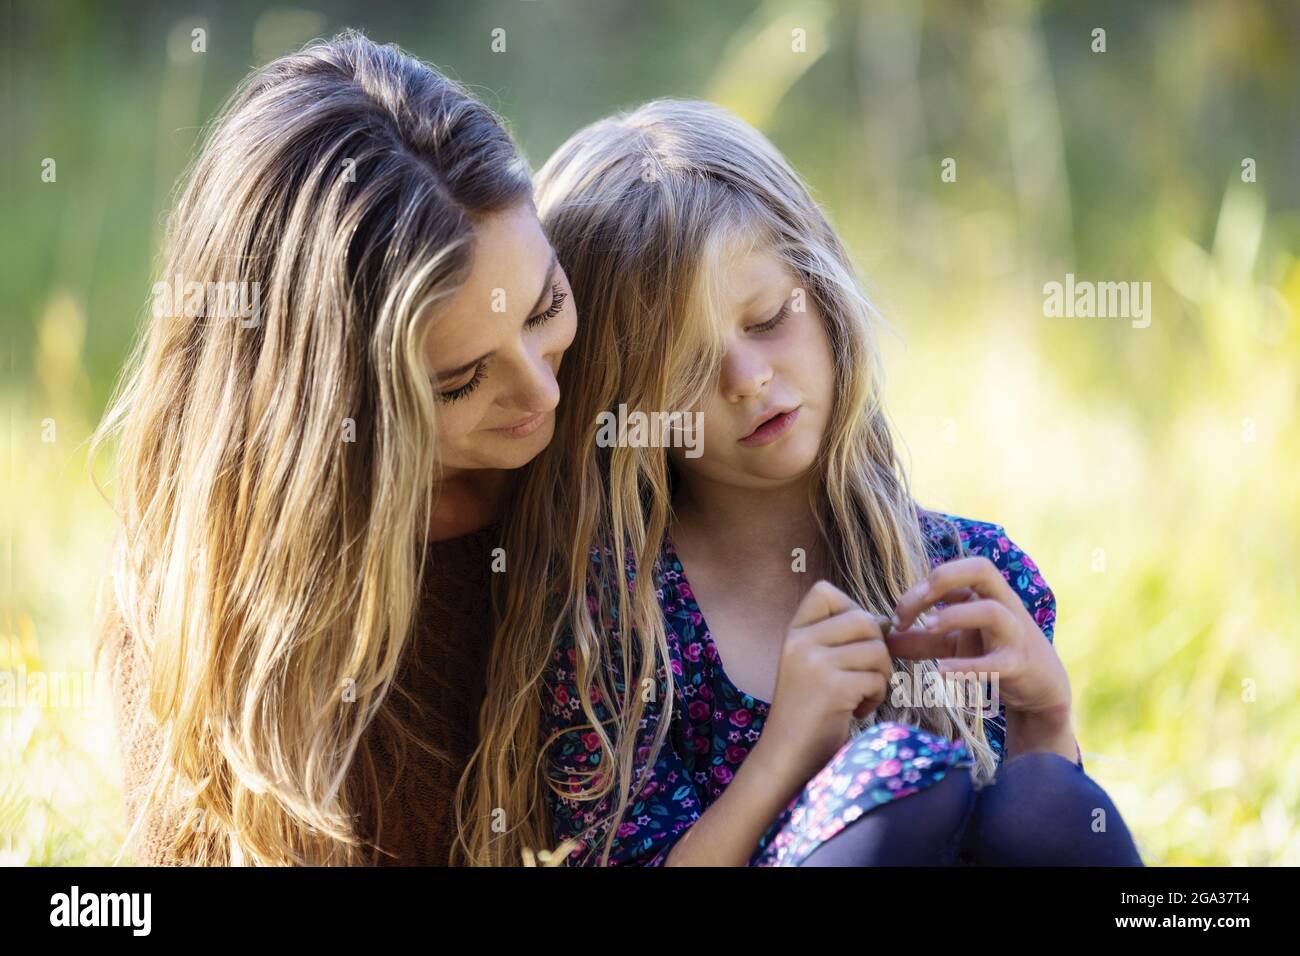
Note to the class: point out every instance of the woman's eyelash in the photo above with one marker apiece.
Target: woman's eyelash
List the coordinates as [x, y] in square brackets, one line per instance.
[557, 302]
[773, 322]
[480, 373]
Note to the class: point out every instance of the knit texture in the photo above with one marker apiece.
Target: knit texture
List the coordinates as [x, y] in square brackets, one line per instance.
[437, 694]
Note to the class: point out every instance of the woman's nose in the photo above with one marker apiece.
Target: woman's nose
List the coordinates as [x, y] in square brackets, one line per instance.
[535, 387]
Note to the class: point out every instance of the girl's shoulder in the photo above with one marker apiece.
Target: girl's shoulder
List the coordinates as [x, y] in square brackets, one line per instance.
[950, 536]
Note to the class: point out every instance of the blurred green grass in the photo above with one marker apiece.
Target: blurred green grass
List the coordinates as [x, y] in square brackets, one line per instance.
[1150, 472]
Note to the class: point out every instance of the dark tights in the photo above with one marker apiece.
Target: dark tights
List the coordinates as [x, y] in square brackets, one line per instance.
[1041, 810]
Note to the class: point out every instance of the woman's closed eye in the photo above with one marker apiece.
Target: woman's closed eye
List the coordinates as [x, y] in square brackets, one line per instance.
[557, 303]
[558, 297]
[460, 391]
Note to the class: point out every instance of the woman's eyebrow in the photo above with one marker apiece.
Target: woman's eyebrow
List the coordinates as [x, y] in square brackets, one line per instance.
[541, 297]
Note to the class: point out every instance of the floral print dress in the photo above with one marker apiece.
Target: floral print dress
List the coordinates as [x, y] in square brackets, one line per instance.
[714, 724]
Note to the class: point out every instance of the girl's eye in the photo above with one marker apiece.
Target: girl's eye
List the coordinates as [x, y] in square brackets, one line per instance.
[480, 373]
[773, 322]
[557, 302]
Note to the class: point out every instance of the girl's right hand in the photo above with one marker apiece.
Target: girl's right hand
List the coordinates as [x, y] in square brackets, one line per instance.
[834, 666]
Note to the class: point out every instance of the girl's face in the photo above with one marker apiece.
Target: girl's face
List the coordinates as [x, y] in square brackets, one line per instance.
[496, 345]
[763, 424]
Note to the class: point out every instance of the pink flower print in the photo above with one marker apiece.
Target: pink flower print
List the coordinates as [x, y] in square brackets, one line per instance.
[911, 776]
[741, 718]
[698, 709]
[906, 753]
[1004, 545]
[735, 755]
[561, 695]
[625, 830]
[685, 591]
[835, 827]
[696, 618]
[692, 651]
[700, 744]
[893, 783]
[852, 813]
[894, 732]
[722, 775]
[591, 740]
[922, 762]
[888, 768]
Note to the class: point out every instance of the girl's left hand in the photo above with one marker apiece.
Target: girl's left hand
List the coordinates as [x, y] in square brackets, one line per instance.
[983, 627]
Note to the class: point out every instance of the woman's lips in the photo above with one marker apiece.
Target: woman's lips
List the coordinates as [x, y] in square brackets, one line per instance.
[771, 430]
[524, 428]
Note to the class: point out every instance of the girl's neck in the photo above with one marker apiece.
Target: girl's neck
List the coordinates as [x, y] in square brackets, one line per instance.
[466, 501]
[749, 526]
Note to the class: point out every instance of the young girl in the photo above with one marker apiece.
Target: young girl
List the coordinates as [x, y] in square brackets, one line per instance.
[698, 699]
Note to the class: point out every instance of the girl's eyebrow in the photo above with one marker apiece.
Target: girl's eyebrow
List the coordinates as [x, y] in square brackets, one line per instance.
[541, 297]
[759, 297]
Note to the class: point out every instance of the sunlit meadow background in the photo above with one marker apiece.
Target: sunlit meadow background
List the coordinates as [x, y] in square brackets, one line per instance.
[1151, 472]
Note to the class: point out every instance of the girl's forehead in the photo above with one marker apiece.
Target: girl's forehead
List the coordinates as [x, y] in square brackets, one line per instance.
[753, 272]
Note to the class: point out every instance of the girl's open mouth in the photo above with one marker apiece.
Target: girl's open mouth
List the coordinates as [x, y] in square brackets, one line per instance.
[772, 429]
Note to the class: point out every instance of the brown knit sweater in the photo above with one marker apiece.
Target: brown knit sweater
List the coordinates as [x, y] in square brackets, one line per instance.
[438, 691]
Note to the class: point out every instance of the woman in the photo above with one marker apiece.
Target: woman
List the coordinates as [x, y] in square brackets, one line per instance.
[313, 446]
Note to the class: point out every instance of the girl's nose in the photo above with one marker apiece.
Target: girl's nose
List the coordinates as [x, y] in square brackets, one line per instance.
[745, 372]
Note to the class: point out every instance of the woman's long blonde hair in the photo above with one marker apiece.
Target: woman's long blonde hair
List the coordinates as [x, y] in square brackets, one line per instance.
[275, 466]
[641, 209]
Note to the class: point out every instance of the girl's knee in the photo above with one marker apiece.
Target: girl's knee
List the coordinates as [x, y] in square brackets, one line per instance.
[1044, 807]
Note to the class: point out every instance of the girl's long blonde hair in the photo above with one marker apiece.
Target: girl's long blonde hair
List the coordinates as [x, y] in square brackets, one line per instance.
[641, 209]
[275, 465]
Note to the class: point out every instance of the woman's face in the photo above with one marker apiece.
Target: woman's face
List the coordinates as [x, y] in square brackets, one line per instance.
[764, 421]
[495, 347]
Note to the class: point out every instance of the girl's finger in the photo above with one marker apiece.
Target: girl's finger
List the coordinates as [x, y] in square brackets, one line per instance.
[978, 574]
[862, 656]
[823, 600]
[919, 645]
[990, 618]
[847, 627]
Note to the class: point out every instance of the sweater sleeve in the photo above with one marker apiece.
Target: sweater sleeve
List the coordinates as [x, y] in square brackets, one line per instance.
[665, 804]
[140, 747]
